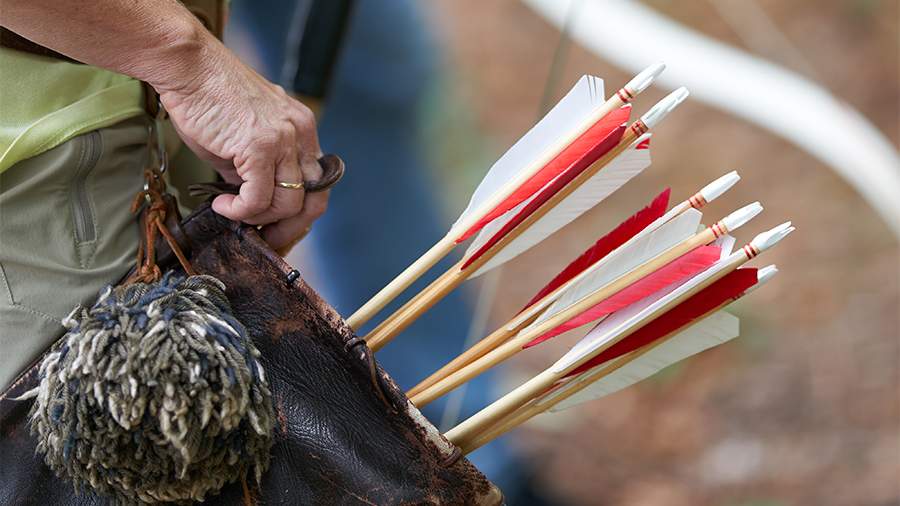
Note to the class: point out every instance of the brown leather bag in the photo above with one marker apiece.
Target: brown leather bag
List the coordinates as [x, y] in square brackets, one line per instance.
[345, 433]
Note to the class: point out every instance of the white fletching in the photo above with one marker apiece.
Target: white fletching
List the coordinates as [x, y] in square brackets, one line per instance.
[770, 238]
[627, 319]
[544, 303]
[645, 78]
[740, 217]
[715, 329]
[626, 258]
[619, 171]
[662, 108]
[725, 244]
[714, 190]
[570, 117]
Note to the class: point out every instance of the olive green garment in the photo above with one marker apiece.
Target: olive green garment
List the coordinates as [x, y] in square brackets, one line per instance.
[65, 233]
[45, 102]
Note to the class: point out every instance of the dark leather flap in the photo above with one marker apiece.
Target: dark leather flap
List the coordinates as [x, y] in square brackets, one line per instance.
[346, 433]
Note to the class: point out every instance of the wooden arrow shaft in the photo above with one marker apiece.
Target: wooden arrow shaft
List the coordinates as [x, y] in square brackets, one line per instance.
[445, 245]
[536, 407]
[409, 312]
[525, 317]
[489, 343]
[464, 434]
[401, 282]
[515, 344]
[401, 319]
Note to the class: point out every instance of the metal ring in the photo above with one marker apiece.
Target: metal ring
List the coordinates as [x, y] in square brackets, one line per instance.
[290, 186]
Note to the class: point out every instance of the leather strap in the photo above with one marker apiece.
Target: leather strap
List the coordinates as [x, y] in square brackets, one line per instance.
[332, 172]
[158, 209]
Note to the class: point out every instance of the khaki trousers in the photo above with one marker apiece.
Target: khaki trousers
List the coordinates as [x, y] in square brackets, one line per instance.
[66, 232]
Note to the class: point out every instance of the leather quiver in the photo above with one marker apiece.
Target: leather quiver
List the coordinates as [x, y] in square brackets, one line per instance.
[345, 433]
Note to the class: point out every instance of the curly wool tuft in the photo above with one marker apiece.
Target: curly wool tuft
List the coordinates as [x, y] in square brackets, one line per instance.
[155, 394]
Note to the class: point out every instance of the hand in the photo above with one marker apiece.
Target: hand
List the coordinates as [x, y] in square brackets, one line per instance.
[254, 134]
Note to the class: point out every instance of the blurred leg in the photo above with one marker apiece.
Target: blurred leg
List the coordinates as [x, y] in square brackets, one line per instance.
[386, 210]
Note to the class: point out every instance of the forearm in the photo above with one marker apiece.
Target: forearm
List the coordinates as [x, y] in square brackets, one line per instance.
[157, 41]
[251, 131]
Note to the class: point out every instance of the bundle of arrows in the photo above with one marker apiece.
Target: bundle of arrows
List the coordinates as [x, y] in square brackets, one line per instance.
[653, 287]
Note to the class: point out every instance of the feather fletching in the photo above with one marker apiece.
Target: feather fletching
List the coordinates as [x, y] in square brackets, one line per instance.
[569, 115]
[731, 286]
[681, 268]
[626, 258]
[609, 242]
[593, 143]
[717, 328]
[619, 171]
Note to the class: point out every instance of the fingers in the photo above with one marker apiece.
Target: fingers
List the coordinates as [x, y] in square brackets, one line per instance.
[286, 202]
[256, 191]
[304, 122]
[275, 156]
[315, 204]
[284, 234]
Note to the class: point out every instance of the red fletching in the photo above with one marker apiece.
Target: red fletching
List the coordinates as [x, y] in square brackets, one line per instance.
[619, 236]
[730, 287]
[548, 192]
[597, 140]
[681, 268]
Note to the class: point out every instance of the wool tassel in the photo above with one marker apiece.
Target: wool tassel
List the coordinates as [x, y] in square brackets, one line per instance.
[155, 394]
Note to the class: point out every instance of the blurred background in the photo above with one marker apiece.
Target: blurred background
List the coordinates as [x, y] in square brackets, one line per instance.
[804, 407]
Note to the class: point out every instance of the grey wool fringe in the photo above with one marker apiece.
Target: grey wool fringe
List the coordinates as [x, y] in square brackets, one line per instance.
[155, 394]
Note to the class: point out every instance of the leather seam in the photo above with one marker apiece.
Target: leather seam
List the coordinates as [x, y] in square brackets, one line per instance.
[21, 379]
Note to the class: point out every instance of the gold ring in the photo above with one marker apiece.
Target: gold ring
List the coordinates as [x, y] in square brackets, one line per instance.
[290, 186]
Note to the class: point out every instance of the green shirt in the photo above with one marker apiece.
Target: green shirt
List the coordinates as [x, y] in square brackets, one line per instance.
[45, 102]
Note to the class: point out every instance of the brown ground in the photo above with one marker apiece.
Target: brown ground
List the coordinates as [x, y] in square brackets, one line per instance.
[804, 407]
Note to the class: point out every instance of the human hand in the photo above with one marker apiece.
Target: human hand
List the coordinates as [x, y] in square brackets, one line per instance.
[255, 135]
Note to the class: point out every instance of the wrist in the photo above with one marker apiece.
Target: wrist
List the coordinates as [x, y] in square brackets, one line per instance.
[182, 58]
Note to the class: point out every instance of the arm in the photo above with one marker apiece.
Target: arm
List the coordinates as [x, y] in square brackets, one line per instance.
[251, 130]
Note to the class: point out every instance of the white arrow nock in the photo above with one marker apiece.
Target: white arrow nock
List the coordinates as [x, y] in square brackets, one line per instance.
[659, 111]
[643, 80]
[768, 239]
[740, 217]
[765, 274]
[714, 190]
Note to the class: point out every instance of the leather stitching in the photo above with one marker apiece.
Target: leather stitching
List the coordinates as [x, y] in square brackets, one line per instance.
[31, 370]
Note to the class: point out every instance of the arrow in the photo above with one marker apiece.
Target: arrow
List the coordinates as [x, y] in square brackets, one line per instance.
[396, 322]
[518, 171]
[587, 297]
[621, 239]
[608, 333]
[632, 246]
[668, 344]
[602, 247]
[542, 206]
